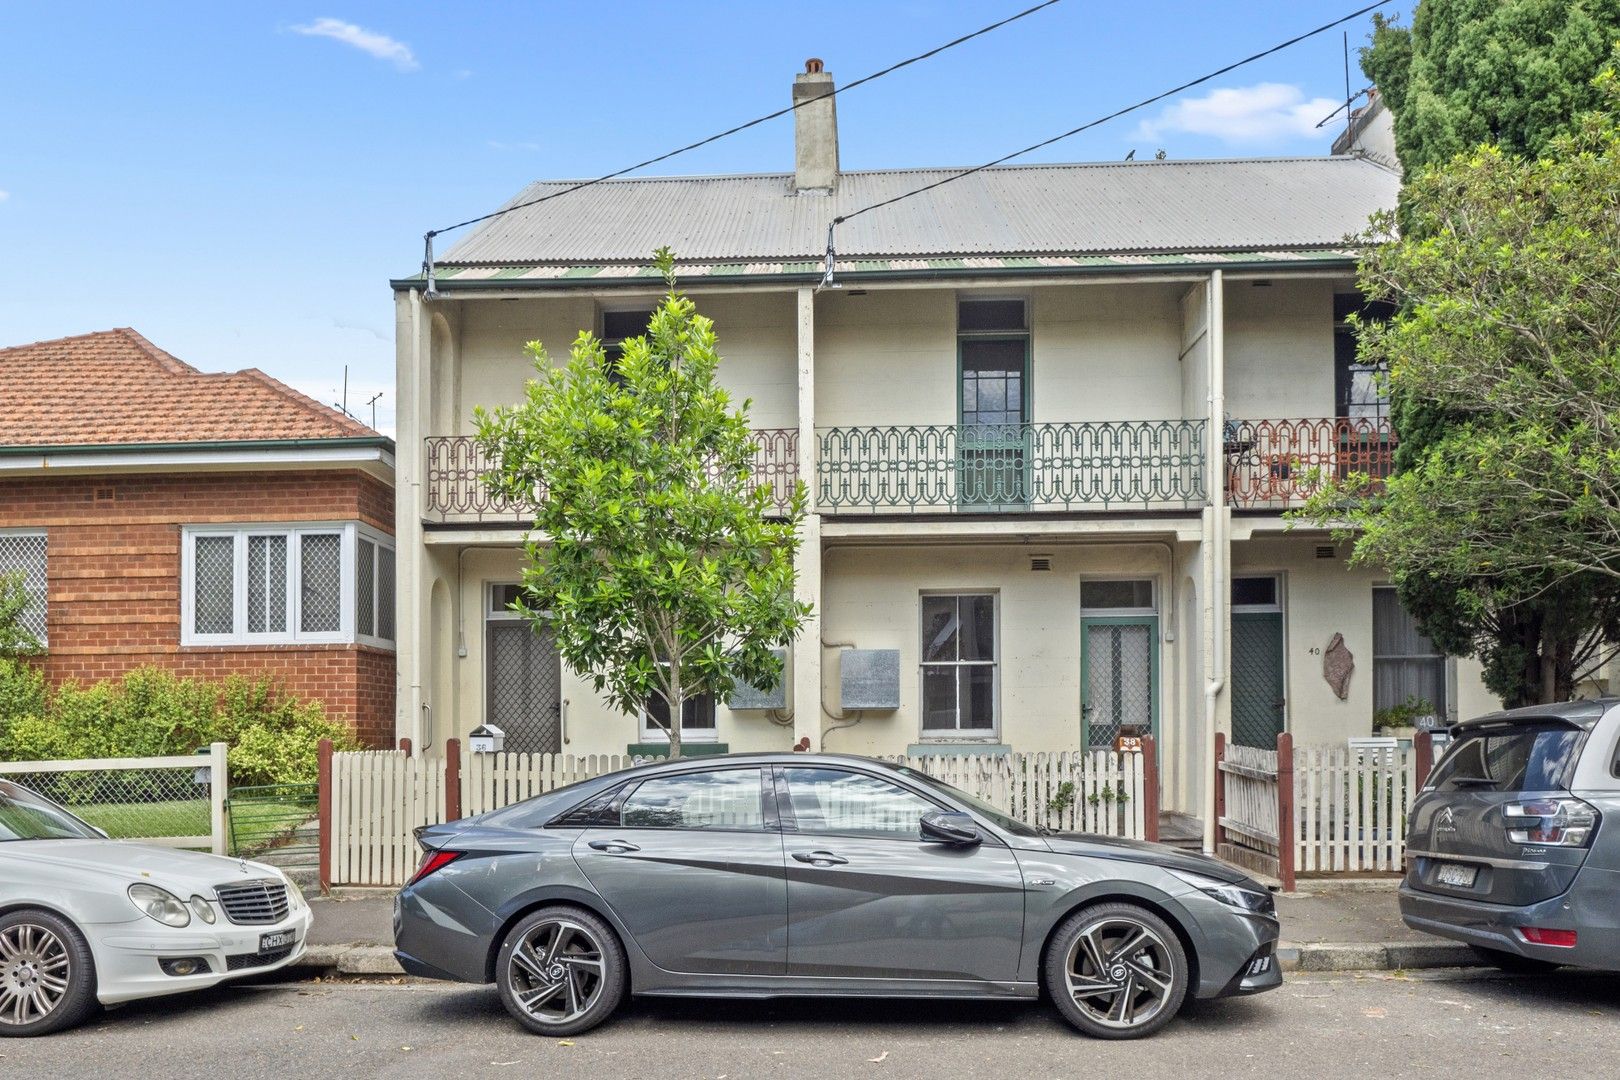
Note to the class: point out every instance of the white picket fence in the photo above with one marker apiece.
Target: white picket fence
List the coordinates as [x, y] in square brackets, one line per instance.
[380, 797]
[1350, 807]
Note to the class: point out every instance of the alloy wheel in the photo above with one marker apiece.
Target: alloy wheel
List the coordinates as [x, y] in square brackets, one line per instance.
[557, 971]
[1118, 972]
[35, 973]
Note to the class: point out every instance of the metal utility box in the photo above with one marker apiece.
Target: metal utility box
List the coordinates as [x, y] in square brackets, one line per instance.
[869, 679]
[744, 696]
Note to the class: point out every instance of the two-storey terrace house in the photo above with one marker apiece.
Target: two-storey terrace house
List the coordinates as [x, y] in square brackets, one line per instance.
[1050, 420]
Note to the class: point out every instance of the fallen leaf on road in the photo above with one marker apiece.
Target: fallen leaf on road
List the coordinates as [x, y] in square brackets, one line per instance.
[880, 1057]
[404, 1048]
[300, 1027]
[1375, 1012]
[565, 1042]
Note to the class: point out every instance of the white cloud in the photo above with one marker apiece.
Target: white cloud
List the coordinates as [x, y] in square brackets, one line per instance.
[369, 42]
[1244, 114]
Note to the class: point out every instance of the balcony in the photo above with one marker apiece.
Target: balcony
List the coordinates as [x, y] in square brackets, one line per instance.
[457, 495]
[1012, 468]
[1277, 464]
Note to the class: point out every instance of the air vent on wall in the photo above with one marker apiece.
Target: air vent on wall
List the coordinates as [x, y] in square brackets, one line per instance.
[104, 494]
[1040, 562]
[1326, 551]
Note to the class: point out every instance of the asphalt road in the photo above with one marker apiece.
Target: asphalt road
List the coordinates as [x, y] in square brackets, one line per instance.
[1317, 1027]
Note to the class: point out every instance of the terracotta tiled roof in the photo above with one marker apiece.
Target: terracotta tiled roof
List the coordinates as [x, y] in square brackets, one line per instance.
[116, 387]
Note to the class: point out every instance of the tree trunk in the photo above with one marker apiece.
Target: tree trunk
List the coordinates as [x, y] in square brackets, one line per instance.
[1549, 662]
[676, 707]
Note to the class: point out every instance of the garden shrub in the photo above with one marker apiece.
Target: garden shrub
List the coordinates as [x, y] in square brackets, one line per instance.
[152, 712]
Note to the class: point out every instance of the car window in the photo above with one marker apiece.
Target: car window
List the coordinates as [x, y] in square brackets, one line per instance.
[996, 815]
[853, 804]
[26, 816]
[718, 799]
[1537, 758]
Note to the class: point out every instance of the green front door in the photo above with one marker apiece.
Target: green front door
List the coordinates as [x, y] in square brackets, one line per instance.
[1257, 678]
[1119, 677]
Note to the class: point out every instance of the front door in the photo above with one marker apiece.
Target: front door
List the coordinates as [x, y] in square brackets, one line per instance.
[1119, 677]
[694, 871]
[1257, 678]
[523, 686]
[867, 898]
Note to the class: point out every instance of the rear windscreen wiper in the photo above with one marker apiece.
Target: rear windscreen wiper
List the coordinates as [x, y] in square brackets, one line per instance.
[1473, 781]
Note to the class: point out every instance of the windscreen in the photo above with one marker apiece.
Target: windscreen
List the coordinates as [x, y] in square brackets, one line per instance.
[26, 816]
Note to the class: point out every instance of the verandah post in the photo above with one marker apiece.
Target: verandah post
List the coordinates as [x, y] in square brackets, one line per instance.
[452, 779]
[1423, 763]
[1285, 810]
[323, 811]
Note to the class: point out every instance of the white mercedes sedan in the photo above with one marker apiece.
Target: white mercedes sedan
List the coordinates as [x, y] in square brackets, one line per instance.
[87, 920]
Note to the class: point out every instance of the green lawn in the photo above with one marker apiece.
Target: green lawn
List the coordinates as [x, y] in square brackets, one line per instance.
[254, 825]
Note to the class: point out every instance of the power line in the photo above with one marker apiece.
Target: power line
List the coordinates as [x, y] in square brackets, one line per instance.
[1144, 103]
[427, 261]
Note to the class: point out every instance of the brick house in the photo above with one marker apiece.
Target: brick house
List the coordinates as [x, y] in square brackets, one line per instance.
[209, 523]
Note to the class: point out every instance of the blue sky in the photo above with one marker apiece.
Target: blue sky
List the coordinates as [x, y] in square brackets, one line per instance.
[239, 182]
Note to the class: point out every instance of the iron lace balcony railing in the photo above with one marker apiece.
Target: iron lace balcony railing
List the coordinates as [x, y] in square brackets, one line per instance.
[1000, 468]
[1277, 464]
[457, 494]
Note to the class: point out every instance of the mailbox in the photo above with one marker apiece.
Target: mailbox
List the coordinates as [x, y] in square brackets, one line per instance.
[486, 739]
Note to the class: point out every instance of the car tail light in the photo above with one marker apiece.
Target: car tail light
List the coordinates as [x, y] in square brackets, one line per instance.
[433, 861]
[1552, 822]
[1535, 935]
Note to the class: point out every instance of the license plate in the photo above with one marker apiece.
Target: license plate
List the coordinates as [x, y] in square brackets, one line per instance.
[1456, 875]
[278, 940]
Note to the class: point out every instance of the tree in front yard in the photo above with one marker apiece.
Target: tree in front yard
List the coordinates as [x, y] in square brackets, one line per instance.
[1507, 281]
[656, 559]
[15, 637]
[1515, 73]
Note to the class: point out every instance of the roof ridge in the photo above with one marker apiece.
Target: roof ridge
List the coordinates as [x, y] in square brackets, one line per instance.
[303, 400]
[164, 359]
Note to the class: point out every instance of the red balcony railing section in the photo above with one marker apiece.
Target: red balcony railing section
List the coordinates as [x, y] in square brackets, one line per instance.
[456, 493]
[1277, 464]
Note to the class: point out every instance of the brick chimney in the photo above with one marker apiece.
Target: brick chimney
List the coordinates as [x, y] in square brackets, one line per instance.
[815, 131]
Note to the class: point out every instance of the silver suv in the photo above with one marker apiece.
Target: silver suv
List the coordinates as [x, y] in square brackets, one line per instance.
[1514, 843]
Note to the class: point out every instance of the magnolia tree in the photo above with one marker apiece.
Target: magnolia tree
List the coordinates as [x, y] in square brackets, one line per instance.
[663, 569]
[1507, 281]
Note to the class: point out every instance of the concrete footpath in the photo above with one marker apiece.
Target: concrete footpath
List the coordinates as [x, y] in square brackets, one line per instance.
[1326, 926]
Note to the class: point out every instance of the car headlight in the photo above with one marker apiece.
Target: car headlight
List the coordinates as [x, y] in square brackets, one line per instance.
[1227, 893]
[160, 904]
[203, 910]
[295, 895]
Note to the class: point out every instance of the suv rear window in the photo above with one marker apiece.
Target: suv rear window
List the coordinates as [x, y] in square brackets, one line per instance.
[1528, 758]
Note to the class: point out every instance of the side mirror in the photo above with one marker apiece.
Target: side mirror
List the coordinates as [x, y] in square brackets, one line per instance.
[950, 827]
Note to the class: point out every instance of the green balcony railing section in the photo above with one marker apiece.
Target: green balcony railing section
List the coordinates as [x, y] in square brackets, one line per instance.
[945, 468]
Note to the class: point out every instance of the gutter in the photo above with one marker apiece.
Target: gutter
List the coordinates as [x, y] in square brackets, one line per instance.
[1192, 270]
[381, 442]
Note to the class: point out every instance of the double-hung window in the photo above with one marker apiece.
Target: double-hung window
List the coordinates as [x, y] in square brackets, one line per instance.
[22, 553]
[1408, 669]
[959, 665]
[286, 584]
[697, 719]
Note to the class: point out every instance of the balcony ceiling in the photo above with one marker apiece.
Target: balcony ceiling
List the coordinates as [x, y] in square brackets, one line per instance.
[1103, 209]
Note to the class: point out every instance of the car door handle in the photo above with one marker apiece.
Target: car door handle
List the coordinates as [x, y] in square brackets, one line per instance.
[614, 847]
[820, 858]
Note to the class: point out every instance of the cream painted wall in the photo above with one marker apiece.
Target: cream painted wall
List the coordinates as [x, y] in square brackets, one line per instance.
[1279, 349]
[871, 598]
[888, 357]
[756, 333]
[593, 727]
[1323, 597]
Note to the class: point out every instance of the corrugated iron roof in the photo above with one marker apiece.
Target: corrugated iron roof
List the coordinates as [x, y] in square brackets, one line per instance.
[1093, 208]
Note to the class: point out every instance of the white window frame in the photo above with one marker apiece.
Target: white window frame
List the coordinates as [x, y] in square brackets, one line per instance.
[960, 734]
[45, 595]
[1448, 664]
[380, 542]
[347, 532]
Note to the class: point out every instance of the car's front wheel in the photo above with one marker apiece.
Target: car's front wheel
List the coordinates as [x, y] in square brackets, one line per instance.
[47, 975]
[561, 971]
[1116, 971]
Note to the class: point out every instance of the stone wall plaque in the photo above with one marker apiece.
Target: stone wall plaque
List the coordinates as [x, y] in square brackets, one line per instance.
[1337, 666]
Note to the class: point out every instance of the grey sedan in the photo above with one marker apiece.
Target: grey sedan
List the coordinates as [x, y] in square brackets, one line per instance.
[771, 875]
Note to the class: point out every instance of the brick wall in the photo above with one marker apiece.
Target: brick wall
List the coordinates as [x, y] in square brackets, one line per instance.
[113, 569]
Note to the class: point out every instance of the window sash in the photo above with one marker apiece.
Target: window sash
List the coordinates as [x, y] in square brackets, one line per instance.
[960, 665]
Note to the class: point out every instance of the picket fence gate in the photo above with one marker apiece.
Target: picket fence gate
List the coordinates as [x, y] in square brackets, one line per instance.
[1351, 805]
[373, 800]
